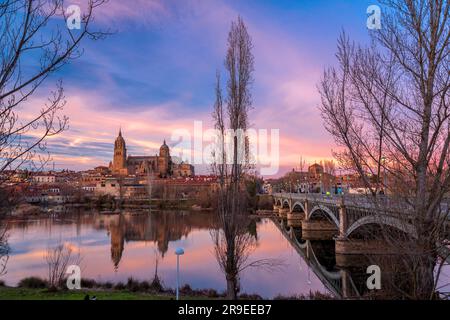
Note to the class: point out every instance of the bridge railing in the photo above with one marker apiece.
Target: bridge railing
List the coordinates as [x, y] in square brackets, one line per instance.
[381, 203]
[318, 197]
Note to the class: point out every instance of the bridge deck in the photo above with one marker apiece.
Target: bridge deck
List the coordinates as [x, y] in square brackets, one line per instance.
[384, 204]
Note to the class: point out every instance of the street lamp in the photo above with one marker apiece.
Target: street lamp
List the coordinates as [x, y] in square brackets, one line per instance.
[179, 251]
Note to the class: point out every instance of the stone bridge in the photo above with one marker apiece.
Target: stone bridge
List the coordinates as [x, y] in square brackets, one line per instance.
[335, 216]
[305, 219]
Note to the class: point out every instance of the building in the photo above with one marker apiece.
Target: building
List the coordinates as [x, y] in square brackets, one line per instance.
[161, 165]
[112, 186]
[48, 195]
[320, 181]
[315, 180]
[315, 170]
[53, 177]
[44, 179]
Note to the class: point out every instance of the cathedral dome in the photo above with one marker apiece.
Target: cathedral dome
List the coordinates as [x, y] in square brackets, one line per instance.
[164, 147]
[164, 150]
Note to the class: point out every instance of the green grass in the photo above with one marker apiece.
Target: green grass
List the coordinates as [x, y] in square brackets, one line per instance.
[12, 293]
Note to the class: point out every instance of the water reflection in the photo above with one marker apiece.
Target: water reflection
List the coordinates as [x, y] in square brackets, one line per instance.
[345, 274]
[159, 228]
[115, 247]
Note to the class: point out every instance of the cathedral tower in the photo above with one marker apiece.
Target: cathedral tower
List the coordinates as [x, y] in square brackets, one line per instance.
[120, 155]
[164, 160]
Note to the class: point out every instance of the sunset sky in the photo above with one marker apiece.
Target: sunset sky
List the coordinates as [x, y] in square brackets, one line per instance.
[156, 74]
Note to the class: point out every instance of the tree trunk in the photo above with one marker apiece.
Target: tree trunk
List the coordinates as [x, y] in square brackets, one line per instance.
[231, 287]
[425, 279]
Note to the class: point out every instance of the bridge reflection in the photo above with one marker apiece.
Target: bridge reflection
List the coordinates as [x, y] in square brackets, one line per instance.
[326, 271]
[344, 275]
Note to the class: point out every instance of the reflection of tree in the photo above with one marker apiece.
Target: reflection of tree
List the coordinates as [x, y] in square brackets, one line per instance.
[233, 244]
[4, 249]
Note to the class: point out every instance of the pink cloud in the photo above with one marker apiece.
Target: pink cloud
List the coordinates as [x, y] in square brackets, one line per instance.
[285, 96]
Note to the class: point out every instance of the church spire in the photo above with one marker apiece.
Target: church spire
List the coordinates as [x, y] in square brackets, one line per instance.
[120, 131]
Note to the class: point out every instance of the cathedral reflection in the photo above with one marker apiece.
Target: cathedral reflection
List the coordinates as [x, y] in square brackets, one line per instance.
[160, 228]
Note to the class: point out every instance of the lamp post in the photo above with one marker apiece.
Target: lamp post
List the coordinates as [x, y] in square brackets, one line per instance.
[178, 252]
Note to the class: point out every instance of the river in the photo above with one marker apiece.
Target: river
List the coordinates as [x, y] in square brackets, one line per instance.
[116, 247]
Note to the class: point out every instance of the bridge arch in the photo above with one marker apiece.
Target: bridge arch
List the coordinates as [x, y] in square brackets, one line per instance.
[298, 207]
[327, 211]
[389, 221]
[278, 202]
[286, 204]
[331, 275]
[302, 244]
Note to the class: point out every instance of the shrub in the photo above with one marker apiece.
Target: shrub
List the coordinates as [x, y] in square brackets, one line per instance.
[246, 296]
[187, 290]
[264, 202]
[33, 283]
[144, 286]
[132, 285]
[88, 283]
[119, 286]
[2, 283]
[211, 293]
[309, 296]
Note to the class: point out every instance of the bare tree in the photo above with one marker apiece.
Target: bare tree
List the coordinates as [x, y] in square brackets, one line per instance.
[58, 259]
[232, 240]
[329, 167]
[302, 164]
[35, 42]
[387, 105]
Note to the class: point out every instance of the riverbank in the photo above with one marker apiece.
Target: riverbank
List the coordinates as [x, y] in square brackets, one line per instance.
[110, 204]
[15, 293]
[34, 288]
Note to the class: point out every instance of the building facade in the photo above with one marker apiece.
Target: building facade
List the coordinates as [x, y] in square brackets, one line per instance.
[161, 165]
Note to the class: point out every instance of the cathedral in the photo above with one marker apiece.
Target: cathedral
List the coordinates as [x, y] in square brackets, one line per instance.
[162, 164]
